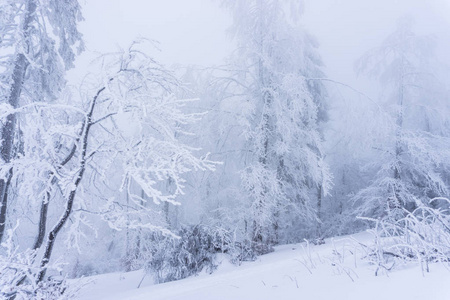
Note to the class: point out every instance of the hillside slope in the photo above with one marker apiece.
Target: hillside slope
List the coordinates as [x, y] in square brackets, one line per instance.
[296, 271]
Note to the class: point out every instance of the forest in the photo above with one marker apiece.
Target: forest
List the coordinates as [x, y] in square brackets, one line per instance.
[157, 167]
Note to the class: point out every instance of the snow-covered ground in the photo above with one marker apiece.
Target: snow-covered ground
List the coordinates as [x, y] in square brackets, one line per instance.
[296, 271]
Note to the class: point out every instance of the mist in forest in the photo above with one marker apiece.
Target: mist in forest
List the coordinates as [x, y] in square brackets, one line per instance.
[157, 136]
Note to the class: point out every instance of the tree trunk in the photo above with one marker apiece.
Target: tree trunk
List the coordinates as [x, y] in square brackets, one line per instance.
[45, 202]
[266, 99]
[4, 184]
[395, 204]
[42, 222]
[70, 200]
[319, 211]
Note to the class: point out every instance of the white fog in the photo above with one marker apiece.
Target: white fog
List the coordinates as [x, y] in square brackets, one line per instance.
[224, 149]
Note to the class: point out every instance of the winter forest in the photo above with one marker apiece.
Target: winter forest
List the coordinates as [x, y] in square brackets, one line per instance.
[222, 134]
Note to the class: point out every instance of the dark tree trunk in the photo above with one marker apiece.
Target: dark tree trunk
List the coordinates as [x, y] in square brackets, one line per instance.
[42, 222]
[319, 211]
[42, 225]
[4, 184]
[70, 200]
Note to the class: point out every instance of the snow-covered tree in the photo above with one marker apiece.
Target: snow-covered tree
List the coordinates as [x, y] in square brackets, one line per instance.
[413, 147]
[76, 147]
[270, 75]
[37, 41]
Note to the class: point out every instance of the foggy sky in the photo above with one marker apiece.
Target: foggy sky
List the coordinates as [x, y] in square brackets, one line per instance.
[194, 31]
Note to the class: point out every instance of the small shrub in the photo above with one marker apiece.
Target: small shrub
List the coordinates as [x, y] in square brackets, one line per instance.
[422, 235]
[170, 259]
[242, 251]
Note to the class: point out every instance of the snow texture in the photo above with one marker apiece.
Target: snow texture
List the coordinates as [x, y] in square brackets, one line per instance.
[293, 271]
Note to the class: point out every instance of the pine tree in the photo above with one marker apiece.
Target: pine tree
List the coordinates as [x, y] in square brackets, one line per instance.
[413, 150]
[274, 63]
